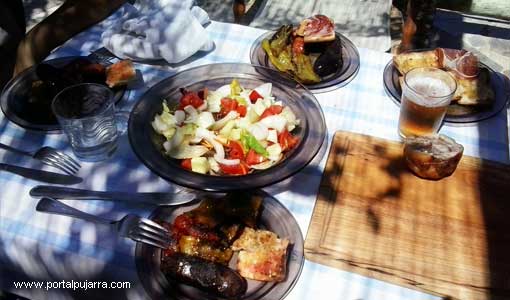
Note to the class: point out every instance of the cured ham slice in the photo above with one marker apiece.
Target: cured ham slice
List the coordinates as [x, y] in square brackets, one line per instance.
[318, 28]
[461, 61]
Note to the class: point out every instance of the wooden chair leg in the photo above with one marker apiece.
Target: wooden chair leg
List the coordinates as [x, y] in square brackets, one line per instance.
[239, 8]
[408, 28]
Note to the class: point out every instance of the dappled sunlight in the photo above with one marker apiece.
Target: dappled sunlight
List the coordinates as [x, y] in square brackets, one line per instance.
[376, 218]
[486, 37]
[365, 212]
[88, 234]
[23, 253]
[100, 182]
[36, 11]
[81, 269]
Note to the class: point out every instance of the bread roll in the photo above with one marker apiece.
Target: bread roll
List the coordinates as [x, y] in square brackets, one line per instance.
[432, 157]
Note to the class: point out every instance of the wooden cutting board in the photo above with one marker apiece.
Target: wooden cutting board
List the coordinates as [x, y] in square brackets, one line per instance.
[374, 217]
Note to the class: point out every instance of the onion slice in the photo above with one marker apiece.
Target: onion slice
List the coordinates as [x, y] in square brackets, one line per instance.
[219, 155]
[232, 115]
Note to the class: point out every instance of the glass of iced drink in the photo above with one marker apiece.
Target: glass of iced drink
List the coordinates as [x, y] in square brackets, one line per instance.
[426, 94]
[86, 113]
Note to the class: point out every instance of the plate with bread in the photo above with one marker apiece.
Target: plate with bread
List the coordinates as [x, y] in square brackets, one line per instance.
[481, 92]
[312, 53]
[26, 99]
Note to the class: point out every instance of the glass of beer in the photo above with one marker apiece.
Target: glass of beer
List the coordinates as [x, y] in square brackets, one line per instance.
[426, 94]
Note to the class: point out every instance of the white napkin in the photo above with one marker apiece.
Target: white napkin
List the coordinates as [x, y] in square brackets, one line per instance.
[170, 29]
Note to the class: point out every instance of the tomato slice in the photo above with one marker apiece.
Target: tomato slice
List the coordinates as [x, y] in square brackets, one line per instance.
[227, 105]
[182, 223]
[239, 169]
[298, 45]
[271, 111]
[254, 96]
[186, 163]
[190, 98]
[253, 158]
[235, 150]
[286, 140]
[185, 224]
[241, 109]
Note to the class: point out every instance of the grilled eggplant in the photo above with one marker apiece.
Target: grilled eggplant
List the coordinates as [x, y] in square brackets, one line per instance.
[330, 60]
[205, 275]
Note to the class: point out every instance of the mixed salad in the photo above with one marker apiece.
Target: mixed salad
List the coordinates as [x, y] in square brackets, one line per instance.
[230, 131]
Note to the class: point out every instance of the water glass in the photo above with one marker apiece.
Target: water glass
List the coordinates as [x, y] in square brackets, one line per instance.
[86, 113]
[426, 94]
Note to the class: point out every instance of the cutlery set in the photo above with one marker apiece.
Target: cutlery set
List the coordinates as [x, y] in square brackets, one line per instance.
[131, 226]
[48, 156]
[173, 199]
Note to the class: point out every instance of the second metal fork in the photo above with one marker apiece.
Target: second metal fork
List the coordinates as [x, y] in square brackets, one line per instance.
[50, 157]
[131, 226]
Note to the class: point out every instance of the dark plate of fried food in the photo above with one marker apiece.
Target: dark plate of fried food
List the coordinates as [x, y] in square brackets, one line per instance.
[324, 66]
[26, 99]
[477, 98]
[219, 244]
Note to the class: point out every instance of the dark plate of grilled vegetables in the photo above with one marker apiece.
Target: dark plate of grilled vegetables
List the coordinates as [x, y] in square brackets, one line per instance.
[26, 99]
[321, 67]
[244, 245]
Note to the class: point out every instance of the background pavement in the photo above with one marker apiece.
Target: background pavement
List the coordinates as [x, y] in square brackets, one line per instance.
[369, 23]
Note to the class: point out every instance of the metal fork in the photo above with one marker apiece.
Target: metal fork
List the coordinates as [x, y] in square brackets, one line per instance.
[131, 226]
[51, 157]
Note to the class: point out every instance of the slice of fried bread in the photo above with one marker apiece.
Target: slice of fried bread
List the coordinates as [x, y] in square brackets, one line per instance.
[262, 256]
[473, 91]
[120, 73]
[407, 61]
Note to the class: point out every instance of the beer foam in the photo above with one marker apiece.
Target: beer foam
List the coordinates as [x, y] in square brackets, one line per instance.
[428, 91]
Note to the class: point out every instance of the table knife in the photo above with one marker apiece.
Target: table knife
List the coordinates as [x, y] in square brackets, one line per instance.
[60, 192]
[40, 175]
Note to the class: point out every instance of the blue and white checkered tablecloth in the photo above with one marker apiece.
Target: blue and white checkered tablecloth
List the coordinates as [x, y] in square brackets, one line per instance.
[42, 247]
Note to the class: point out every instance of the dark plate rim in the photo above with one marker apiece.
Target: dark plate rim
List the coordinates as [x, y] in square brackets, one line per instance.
[502, 97]
[139, 134]
[142, 270]
[324, 86]
[50, 128]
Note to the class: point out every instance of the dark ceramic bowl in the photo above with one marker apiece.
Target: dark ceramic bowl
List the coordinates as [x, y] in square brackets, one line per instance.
[148, 145]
